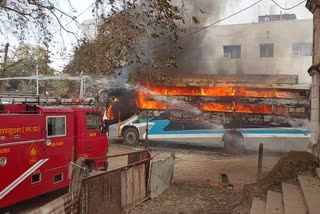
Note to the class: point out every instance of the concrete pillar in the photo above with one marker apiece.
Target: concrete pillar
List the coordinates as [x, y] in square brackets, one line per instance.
[314, 71]
[316, 36]
[315, 101]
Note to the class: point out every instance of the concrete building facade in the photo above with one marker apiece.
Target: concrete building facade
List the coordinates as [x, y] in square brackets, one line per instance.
[89, 28]
[277, 47]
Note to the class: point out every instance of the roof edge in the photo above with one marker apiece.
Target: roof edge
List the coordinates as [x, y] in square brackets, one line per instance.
[312, 5]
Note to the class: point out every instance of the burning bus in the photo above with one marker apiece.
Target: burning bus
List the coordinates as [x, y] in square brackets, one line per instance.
[236, 112]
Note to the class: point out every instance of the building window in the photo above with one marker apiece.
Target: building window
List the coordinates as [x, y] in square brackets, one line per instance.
[56, 126]
[232, 51]
[266, 50]
[197, 54]
[302, 49]
[93, 121]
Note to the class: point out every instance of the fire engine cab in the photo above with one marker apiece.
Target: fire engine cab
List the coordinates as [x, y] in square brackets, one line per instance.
[39, 138]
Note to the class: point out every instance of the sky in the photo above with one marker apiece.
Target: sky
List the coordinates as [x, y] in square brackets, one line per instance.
[62, 47]
[263, 8]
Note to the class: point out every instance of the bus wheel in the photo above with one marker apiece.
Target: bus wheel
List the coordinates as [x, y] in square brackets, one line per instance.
[131, 136]
[234, 142]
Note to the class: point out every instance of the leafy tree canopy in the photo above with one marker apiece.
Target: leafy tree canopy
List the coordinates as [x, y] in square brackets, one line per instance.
[23, 62]
[138, 37]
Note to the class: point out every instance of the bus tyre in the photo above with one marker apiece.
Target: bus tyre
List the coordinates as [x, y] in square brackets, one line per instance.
[234, 142]
[131, 136]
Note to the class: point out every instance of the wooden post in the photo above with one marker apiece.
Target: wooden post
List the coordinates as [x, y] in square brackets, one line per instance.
[147, 130]
[259, 171]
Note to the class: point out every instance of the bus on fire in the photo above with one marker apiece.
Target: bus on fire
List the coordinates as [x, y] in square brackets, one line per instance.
[226, 113]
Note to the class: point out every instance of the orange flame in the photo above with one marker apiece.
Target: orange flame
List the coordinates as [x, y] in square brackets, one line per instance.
[183, 91]
[238, 108]
[147, 104]
[221, 90]
[110, 113]
[256, 92]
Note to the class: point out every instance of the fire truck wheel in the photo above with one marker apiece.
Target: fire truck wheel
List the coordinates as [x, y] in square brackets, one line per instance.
[131, 136]
[234, 142]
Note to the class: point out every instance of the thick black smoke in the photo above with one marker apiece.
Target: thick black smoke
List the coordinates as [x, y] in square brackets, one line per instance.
[206, 12]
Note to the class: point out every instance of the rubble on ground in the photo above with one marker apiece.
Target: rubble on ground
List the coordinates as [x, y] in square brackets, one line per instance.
[286, 170]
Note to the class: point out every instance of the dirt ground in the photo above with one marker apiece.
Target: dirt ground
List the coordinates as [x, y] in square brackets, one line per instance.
[196, 188]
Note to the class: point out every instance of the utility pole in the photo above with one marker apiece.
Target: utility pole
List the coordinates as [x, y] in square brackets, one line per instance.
[46, 92]
[47, 60]
[5, 61]
[81, 85]
[37, 70]
[285, 11]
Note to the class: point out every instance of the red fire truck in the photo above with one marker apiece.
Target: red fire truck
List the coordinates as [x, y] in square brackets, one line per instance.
[38, 141]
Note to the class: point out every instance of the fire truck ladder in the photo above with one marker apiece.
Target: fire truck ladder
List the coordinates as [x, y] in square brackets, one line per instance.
[32, 99]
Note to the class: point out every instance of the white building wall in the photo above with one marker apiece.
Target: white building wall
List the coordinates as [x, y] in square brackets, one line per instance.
[89, 28]
[203, 52]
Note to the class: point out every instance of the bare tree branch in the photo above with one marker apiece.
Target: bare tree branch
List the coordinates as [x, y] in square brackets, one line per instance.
[20, 14]
[124, 40]
[61, 25]
[17, 11]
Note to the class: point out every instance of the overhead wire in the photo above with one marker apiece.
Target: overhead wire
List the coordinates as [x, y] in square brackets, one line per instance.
[77, 16]
[208, 26]
[74, 18]
[232, 34]
[227, 17]
[290, 8]
[212, 24]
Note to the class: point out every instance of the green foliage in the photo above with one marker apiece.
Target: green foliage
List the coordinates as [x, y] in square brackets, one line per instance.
[30, 57]
[64, 89]
[23, 62]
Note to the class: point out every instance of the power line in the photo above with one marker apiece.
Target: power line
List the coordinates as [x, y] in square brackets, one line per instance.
[238, 32]
[214, 23]
[74, 18]
[221, 20]
[199, 30]
[290, 8]
[234, 14]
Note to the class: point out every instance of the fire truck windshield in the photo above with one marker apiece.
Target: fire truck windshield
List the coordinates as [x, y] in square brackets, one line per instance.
[93, 121]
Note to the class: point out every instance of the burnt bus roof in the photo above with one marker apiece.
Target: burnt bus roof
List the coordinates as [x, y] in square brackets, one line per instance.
[257, 80]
